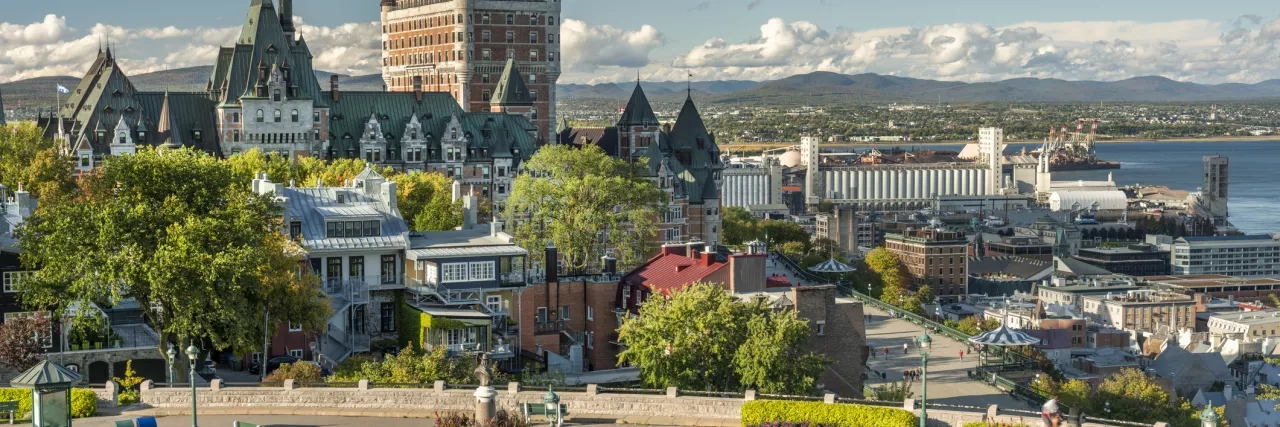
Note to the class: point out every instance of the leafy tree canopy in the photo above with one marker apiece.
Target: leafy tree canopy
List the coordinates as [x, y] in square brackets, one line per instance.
[27, 158]
[162, 227]
[703, 338]
[572, 196]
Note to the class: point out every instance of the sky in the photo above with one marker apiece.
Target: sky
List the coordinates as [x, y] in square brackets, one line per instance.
[1221, 41]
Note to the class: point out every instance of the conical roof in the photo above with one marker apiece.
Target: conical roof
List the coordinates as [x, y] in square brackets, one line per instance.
[511, 90]
[638, 111]
[45, 375]
[688, 128]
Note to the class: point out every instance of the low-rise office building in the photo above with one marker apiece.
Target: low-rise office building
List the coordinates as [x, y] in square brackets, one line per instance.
[1219, 286]
[1247, 255]
[1134, 260]
[1140, 309]
[1252, 325]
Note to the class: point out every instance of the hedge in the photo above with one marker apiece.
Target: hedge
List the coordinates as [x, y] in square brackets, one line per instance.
[987, 424]
[758, 412]
[84, 402]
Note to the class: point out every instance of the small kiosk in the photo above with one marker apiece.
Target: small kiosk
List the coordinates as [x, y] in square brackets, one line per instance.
[50, 386]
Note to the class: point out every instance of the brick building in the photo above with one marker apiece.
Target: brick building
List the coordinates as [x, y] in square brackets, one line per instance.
[932, 257]
[459, 47]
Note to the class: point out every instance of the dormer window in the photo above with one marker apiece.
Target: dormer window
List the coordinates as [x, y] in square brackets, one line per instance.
[196, 134]
[295, 229]
[142, 135]
[343, 229]
[124, 136]
[453, 134]
[275, 96]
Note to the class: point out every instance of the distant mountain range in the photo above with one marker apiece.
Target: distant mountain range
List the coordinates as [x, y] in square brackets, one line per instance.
[819, 88]
[823, 88]
[40, 91]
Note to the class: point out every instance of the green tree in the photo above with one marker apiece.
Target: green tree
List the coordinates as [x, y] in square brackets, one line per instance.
[826, 206]
[570, 196]
[426, 200]
[408, 367]
[303, 372]
[161, 227]
[703, 338]
[1133, 397]
[739, 226]
[779, 232]
[888, 268]
[27, 158]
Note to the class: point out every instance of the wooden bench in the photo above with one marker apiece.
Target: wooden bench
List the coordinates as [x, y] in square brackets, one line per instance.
[531, 409]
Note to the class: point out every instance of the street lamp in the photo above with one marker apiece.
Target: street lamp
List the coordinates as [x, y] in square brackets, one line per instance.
[173, 357]
[551, 402]
[192, 354]
[315, 356]
[925, 343]
[1208, 418]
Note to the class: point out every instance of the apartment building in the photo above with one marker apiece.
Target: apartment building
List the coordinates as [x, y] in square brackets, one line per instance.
[995, 245]
[1252, 325]
[1219, 286]
[933, 257]
[355, 238]
[459, 47]
[1246, 255]
[1141, 310]
[839, 226]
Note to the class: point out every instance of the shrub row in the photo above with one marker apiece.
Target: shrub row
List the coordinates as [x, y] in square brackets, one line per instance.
[758, 412]
[84, 402]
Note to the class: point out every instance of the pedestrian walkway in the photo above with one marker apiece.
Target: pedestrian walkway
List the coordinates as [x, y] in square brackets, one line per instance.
[949, 382]
[349, 417]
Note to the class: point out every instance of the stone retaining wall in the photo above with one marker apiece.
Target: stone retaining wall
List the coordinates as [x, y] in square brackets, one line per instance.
[578, 403]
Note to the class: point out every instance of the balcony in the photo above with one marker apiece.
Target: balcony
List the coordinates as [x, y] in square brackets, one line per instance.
[552, 327]
[514, 278]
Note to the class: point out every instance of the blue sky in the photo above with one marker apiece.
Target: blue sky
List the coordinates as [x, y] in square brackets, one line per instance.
[748, 39]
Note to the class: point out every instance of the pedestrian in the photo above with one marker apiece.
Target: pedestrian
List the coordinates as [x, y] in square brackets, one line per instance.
[961, 355]
[904, 348]
[873, 351]
[886, 352]
[1050, 416]
[905, 375]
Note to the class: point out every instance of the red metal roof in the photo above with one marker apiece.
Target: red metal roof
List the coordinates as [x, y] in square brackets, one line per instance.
[791, 188]
[666, 273]
[777, 282]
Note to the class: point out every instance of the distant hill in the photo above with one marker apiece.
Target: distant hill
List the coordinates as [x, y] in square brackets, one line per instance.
[656, 91]
[832, 88]
[28, 95]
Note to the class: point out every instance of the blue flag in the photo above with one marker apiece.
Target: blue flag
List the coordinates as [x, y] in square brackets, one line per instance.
[63, 89]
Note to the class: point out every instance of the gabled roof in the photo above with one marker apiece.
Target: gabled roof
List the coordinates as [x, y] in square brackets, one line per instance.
[46, 374]
[638, 111]
[667, 273]
[691, 154]
[511, 90]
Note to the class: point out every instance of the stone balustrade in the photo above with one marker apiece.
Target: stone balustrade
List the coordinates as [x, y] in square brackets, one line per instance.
[581, 404]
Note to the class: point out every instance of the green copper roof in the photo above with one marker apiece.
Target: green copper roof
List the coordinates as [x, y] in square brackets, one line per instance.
[691, 154]
[511, 90]
[46, 375]
[638, 111]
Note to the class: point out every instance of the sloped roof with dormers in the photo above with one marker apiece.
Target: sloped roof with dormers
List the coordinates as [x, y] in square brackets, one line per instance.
[638, 112]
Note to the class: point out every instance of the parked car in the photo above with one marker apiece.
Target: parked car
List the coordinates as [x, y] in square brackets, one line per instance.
[272, 365]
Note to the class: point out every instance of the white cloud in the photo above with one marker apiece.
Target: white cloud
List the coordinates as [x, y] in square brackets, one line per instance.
[51, 48]
[1238, 50]
[586, 48]
[1192, 50]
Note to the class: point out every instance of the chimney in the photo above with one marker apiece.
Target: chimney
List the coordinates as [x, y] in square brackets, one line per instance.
[707, 258]
[469, 206]
[694, 248]
[4, 199]
[610, 264]
[389, 196]
[23, 199]
[673, 249]
[550, 260]
[417, 88]
[333, 87]
[1227, 391]
[286, 19]
[495, 227]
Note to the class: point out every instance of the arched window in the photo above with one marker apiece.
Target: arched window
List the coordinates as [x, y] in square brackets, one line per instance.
[276, 96]
[277, 116]
[551, 20]
[511, 19]
[295, 116]
[123, 136]
[260, 116]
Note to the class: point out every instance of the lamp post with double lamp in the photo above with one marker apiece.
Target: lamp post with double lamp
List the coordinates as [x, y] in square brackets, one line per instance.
[1208, 418]
[192, 354]
[173, 357]
[925, 342]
